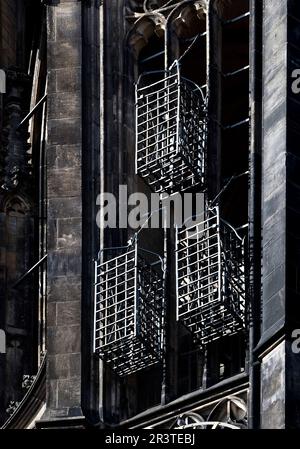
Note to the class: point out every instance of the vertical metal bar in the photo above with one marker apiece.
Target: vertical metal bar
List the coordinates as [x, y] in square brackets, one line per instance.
[147, 131]
[163, 323]
[189, 270]
[136, 128]
[198, 263]
[43, 234]
[136, 324]
[178, 108]
[176, 270]
[165, 379]
[220, 287]
[157, 118]
[115, 301]
[106, 302]
[254, 236]
[95, 304]
[214, 81]
[126, 307]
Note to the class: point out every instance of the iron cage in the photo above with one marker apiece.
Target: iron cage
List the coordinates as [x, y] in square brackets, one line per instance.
[211, 291]
[129, 308]
[171, 132]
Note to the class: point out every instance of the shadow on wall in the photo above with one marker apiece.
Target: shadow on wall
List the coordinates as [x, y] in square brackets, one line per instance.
[2, 342]
[2, 82]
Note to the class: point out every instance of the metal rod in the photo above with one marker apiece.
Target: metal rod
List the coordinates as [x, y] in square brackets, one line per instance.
[236, 72]
[235, 125]
[236, 19]
[30, 271]
[156, 55]
[31, 113]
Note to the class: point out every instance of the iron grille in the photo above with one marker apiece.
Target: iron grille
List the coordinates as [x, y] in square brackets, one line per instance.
[129, 306]
[210, 278]
[171, 133]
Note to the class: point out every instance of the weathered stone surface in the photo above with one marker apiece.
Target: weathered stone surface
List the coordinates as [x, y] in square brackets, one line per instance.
[66, 23]
[69, 392]
[57, 55]
[68, 79]
[64, 340]
[281, 213]
[273, 389]
[51, 314]
[64, 161]
[64, 263]
[65, 131]
[274, 164]
[64, 183]
[65, 105]
[68, 313]
[64, 207]
[64, 288]
[69, 233]
[8, 40]
[64, 156]
[61, 366]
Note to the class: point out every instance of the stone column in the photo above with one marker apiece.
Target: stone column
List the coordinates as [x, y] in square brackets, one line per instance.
[64, 180]
[280, 367]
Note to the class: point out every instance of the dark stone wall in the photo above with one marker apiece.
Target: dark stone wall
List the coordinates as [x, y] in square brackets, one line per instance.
[273, 388]
[8, 33]
[18, 210]
[292, 168]
[64, 159]
[274, 191]
[274, 171]
[293, 218]
[281, 216]
[16, 310]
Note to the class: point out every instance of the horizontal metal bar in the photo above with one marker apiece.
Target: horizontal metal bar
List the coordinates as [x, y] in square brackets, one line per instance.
[187, 256]
[160, 140]
[236, 72]
[107, 298]
[200, 309]
[157, 125]
[128, 315]
[191, 39]
[240, 228]
[159, 82]
[115, 268]
[30, 271]
[101, 265]
[31, 113]
[157, 107]
[156, 117]
[153, 56]
[198, 229]
[235, 125]
[103, 326]
[144, 103]
[101, 338]
[193, 273]
[198, 232]
[167, 153]
[189, 291]
[236, 19]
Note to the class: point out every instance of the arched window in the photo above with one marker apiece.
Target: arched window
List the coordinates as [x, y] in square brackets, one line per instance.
[16, 207]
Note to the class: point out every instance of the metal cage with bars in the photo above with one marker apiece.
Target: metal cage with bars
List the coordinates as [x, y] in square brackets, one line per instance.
[211, 285]
[129, 308]
[171, 132]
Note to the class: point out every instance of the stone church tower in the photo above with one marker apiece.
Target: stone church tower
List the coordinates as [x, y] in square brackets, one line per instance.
[110, 327]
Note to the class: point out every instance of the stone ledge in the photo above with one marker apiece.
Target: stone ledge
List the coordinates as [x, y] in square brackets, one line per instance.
[77, 422]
